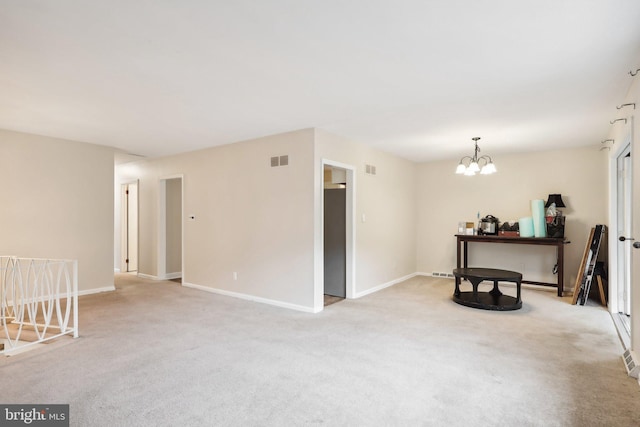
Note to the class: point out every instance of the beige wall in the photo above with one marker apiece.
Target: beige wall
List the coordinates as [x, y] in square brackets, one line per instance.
[58, 203]
[385, 242]
[251, 219]
[445, 198]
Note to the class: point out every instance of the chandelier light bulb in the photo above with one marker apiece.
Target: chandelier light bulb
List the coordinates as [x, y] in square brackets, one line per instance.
[491, 168]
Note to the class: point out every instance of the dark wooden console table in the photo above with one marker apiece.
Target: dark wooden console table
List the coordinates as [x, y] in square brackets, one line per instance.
[559, 242]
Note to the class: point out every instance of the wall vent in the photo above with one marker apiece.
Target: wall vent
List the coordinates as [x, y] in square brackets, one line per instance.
[280, 161]
[440, 274]
[631, 363]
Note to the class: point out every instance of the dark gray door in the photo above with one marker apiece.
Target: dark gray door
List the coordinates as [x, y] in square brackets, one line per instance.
[335, 234]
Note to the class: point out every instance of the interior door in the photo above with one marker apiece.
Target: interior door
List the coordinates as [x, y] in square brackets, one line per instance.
[335, 241]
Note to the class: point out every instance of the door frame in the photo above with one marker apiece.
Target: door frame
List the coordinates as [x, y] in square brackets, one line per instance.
[614, 260]
[162, 227]
[350, 234]
[124, 225]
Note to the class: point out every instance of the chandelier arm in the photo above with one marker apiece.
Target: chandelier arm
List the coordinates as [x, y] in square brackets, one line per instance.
[485, 157]
[466, 157]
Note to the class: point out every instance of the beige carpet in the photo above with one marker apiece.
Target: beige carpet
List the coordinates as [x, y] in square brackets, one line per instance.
[157, 354]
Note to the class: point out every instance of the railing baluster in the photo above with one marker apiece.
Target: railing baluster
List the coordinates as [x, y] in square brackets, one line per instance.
[32, 292]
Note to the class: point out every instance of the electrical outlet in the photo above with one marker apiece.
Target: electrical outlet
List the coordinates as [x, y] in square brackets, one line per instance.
[235, 275]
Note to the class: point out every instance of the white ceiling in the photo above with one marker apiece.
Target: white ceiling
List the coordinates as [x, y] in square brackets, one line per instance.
[415, 78]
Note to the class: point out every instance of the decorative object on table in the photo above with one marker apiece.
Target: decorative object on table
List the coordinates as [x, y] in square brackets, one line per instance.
[526, 226]
[470, 230]
[509, 228]
[488, 225]
[539, 222]
[587, 266]
[472, 165]
[554, 218]
[466, 227]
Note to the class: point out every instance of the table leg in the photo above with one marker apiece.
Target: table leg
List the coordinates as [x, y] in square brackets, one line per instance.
[518, 295]
[465, 254]
[475, 283]
[457, 279]
[560, 261]
[495, 291]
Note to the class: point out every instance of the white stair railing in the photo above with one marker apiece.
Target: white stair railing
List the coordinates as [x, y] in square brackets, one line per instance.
[38, 301]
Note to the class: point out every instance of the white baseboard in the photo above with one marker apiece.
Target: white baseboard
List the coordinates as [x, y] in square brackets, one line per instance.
[167, 276]
[384, 285]
[116, 270]
[97, 290]
[251, 298]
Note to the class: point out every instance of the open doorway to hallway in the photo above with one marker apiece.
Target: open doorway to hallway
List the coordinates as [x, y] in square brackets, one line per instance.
[170, 228]
[335, 224]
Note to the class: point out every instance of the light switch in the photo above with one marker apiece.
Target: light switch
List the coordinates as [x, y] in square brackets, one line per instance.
[364, 218]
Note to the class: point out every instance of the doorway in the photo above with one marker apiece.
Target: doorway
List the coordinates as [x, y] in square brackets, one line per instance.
[338, 232]
[170, 228]
[129, 221]
[335, 250]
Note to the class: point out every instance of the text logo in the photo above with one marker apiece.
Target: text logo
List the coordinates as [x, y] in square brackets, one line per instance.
[34, 415]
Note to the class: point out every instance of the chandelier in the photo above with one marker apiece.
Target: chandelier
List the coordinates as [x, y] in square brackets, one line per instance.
[470, 165]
